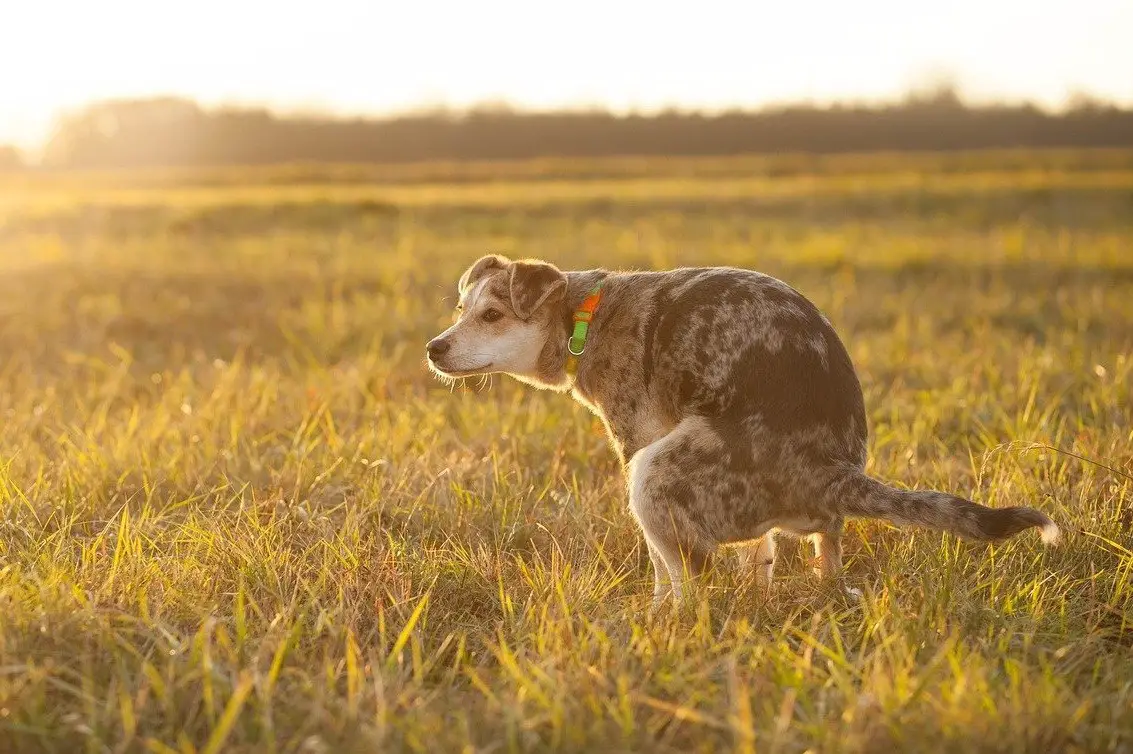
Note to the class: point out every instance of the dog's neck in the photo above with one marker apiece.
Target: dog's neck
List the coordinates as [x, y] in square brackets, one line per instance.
[579, 285]
[552, 372]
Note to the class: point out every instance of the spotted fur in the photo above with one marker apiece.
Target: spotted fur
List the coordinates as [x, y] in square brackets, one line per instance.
[727, 395]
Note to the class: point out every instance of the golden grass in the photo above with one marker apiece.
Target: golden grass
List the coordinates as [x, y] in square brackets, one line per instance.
[236, 513]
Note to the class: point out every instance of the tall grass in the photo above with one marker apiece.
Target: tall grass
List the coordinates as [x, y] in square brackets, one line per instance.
[236, 513]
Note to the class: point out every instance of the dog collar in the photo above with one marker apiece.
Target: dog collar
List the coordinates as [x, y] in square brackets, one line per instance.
[576, 344]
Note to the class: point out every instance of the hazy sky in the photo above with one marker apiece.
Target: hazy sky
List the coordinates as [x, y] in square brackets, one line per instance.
[356, 56]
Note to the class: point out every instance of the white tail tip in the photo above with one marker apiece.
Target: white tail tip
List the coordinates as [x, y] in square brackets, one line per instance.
[1051, 533]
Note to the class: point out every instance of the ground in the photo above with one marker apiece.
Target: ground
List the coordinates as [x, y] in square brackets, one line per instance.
[237, 513]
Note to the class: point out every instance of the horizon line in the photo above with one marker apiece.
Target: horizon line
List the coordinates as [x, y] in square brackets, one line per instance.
[1072, 100]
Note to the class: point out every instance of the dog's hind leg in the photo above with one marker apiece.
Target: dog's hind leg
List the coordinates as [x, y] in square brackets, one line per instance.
[828, 550]
[759, 558]
[684, 560]
[677, 550]
[662, 584]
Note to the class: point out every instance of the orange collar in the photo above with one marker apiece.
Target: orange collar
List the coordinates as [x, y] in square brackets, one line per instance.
[576, 344]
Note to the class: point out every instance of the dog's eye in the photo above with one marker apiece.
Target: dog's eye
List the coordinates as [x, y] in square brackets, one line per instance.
[491, 315]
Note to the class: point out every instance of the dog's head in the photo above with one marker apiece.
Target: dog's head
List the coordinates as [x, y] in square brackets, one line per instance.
[508, 316]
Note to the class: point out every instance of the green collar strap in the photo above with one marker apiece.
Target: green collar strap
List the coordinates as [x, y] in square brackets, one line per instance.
[582, 318]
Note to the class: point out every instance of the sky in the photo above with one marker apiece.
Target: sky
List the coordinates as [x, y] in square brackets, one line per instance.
[374, 56]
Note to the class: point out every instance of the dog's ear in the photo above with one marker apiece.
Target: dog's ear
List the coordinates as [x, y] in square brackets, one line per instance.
[479, 269]
[533, 284]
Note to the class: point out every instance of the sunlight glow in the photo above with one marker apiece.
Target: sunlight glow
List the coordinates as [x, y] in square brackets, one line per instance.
[359, 56]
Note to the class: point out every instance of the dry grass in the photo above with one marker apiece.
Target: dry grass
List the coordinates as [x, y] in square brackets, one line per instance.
[236, 513]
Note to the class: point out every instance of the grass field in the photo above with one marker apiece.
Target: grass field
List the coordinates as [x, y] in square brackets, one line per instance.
[237, 514]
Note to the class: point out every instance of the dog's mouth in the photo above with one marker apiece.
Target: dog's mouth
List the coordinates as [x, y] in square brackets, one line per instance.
[448, 372]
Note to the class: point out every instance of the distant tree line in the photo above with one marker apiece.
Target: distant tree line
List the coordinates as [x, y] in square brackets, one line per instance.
[10, 158]
[177, 132]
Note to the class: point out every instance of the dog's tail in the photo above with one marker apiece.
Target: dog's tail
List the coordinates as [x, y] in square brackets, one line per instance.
[860, 496]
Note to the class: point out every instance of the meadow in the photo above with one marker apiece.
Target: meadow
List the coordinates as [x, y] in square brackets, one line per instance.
[237, 514]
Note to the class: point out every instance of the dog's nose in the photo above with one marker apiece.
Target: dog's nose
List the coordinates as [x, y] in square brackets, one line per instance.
[437, 347]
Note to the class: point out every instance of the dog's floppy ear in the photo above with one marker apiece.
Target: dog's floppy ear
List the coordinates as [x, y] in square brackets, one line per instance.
[532, 284]
[479, 269]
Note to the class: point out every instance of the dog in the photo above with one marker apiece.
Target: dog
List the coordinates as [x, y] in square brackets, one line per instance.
[729, 399]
